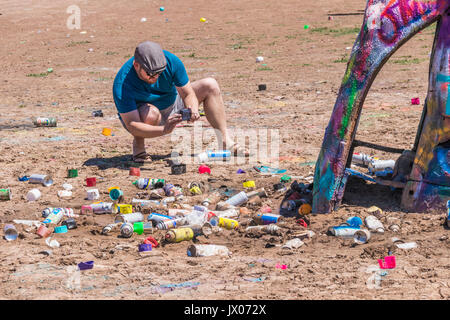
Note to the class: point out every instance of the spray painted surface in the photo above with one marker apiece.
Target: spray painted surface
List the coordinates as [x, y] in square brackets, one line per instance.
[387, 25]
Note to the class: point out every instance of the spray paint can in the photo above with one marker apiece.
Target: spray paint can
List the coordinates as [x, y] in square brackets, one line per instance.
[448, 213]
[43, 179]
[126, 230]
[5, 194]
[214, 155]
[381, 165]
[362, 159]
[226, 223]
[373, 224]
[156, 218]
[143, 227]
[270, 229]
[361, 236]
[98, 208]
[343, 231]
[68, 212]
[268, 218]
[179, 234]
[10, 232]
[107, 229]
[168, 224]
[145, 183]
[129, 217]
[70, 223]
[55, 216]
[44, 122]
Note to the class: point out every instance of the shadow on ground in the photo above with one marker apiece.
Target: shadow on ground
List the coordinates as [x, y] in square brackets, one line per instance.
[122, 162]
[360, 193]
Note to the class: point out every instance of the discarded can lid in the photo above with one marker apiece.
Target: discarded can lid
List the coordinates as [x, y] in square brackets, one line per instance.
[86, 265]
[60, 229]
[145, 247]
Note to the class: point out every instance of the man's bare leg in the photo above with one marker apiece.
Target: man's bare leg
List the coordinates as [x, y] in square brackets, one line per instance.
[149, 114]
[208, 91]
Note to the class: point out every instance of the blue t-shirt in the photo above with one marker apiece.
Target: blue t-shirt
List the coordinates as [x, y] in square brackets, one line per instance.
[129, 90]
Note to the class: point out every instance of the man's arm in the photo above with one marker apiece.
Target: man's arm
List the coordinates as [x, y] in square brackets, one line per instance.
[138, 128]
[190, 100]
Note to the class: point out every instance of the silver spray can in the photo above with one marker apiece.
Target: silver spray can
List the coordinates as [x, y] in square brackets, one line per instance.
[126, 230]
[129, 217]
[43, 179]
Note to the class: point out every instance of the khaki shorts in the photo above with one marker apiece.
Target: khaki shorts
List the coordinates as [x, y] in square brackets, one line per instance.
[165, 113]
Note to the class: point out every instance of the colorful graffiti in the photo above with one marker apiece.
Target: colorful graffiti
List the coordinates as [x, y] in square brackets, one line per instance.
[387, 25]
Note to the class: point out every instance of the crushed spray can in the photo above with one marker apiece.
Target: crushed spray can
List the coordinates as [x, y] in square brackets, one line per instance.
[206, 250]
[54, 217]
[179, 234]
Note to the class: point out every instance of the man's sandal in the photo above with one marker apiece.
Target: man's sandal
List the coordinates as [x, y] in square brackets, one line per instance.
[141, 157]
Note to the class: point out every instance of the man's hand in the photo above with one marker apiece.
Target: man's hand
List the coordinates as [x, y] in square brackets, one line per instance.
[195, 115]
[171, 123]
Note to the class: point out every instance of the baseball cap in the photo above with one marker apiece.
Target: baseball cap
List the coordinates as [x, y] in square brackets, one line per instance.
[150, 56]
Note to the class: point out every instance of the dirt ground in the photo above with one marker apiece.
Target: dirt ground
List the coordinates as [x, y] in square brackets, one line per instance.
[305, 54]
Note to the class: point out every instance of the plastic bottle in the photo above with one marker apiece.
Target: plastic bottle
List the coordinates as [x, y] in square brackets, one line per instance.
[373, 224]
[68, 212]
[206, 250]
[146, 203]
[54, 217]
[214, 155]
[228, 213]
[44, 122]
[145, 183]
[195, 217]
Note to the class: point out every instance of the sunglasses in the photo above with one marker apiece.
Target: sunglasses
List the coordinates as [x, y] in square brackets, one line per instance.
[153, 74]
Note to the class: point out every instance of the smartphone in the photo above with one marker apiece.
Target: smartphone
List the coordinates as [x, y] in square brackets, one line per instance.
[185, 114]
